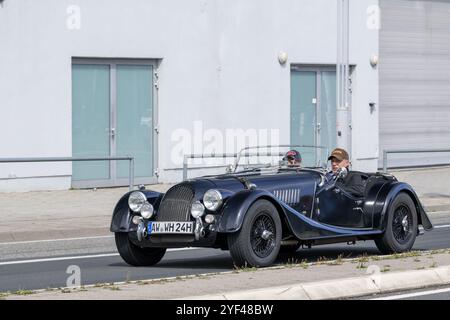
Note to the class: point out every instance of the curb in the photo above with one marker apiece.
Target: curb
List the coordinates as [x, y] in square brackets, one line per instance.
[376, 283]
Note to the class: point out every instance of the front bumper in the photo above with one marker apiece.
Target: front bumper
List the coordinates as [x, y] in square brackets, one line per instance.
[204, 236]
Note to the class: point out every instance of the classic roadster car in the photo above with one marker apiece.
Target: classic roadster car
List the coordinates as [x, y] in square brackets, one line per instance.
[258, 212]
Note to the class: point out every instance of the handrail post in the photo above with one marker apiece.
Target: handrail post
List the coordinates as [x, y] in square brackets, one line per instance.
[185, 168]
[131, 173]
[385, 153]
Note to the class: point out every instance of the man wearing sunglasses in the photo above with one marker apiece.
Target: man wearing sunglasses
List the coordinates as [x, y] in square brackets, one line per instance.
[293, 158]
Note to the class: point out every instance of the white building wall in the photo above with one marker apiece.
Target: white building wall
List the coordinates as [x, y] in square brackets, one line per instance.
[218, 65]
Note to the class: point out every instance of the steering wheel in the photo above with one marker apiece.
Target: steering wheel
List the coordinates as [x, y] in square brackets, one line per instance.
[329, 184]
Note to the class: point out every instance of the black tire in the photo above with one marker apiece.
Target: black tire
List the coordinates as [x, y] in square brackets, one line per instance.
[247, 246]
[137, 256]
[400, 234]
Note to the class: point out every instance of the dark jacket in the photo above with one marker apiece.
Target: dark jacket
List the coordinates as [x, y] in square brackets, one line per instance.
[352, 183]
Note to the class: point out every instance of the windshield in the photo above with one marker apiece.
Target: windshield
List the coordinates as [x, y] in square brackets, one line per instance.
[281, 156]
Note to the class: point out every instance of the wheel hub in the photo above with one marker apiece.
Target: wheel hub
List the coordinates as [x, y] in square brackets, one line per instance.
[405, 224]
[266, 234]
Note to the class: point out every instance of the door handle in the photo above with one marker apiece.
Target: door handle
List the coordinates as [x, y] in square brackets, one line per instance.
[113, 132]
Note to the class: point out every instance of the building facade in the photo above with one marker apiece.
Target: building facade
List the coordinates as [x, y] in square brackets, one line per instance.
[159, 79]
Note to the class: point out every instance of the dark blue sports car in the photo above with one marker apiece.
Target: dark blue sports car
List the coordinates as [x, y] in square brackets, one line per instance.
[257, 212]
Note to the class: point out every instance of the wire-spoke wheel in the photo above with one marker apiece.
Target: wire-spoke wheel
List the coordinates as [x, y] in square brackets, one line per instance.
[401, 227]
[258, 241]
[262, 235]
[402, 224]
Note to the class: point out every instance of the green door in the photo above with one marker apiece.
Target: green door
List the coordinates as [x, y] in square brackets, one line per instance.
[112, 115]
[91, 121]
[134, 130]
[313, 113]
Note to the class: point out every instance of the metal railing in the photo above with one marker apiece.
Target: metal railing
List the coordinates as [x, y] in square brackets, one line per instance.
[399, 151]
[203, 156]
[238, 155]
[67, 159]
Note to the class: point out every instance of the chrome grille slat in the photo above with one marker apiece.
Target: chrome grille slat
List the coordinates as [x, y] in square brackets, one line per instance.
[176, 204]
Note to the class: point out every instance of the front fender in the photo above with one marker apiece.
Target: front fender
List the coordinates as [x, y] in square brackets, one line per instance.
[236, 207]
[121, 219]
[387, 196]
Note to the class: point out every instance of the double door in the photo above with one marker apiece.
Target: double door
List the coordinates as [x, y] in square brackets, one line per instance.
[113, 114]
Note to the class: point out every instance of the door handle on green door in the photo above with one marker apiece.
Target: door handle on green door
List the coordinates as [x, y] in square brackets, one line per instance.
[113, 132]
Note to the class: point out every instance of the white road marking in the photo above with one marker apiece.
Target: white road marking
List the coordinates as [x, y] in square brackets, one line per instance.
[103, 255]
[442, 226]
[55, 240]
[107, 237]
[414, 294]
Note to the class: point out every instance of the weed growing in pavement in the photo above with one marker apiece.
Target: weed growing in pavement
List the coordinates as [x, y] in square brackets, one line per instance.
[337, 262]
[100, 285]
[304, 264]
[23, 292]
[322, 259]
[361, 265]
[420, 268]
[433, 265]
[386, 268]
[244, 268]
[113, 288]
[3, 295]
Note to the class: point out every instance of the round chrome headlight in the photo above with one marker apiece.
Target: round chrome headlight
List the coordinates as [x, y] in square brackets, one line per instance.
[147, 210]
[197, 209]
[212, 199]
[136, 200]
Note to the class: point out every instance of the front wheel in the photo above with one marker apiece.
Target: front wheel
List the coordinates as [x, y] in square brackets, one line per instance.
[401, 228]
[137, 256]
[257, 243]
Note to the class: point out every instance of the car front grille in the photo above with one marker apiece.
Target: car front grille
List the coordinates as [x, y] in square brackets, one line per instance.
[176, 204]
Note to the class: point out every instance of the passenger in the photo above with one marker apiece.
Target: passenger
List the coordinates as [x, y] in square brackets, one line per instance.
[351, 183]
[293, 158]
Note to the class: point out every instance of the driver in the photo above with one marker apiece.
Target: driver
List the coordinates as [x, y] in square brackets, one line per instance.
[352, 183]
[293, 158]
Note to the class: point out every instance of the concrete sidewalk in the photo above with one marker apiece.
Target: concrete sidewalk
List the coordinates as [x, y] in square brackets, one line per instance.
[324, 279]
[78, 213]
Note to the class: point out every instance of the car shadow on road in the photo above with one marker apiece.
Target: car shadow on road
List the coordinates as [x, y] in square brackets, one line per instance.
[214, 260]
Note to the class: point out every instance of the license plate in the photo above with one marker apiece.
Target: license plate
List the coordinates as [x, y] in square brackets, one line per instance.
[170, 227]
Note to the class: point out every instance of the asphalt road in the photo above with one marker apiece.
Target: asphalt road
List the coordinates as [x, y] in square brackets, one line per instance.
[44, 264]
[436, 293]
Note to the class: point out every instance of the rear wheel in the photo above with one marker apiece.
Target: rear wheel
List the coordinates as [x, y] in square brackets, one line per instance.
[401, 228]
[257, 243]
[137, 256]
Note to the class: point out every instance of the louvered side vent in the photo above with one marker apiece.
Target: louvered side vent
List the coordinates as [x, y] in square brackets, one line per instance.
[289, 196]
[176, 204]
